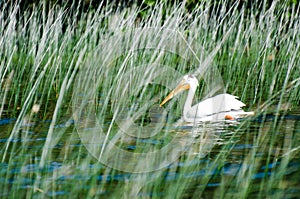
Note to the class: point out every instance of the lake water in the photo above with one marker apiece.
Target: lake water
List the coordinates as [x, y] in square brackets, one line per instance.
[260, 155]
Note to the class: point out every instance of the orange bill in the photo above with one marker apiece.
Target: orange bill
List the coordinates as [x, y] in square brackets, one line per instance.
[181, 87]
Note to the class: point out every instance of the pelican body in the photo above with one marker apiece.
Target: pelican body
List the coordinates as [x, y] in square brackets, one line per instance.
[219, 107]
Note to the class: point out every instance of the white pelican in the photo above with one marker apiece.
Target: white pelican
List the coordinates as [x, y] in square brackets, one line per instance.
[220, 107]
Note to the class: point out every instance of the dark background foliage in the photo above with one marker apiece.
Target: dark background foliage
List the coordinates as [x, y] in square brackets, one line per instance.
[144, 4]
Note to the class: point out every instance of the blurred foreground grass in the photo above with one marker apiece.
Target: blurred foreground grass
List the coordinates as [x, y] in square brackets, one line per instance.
[42, 53]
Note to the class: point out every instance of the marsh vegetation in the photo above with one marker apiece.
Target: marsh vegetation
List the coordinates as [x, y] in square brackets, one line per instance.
[67, 76]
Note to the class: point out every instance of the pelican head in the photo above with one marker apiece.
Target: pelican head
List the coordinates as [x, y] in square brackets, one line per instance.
[188, 82]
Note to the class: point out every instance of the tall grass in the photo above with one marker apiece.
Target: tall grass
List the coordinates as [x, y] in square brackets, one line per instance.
[63, 71]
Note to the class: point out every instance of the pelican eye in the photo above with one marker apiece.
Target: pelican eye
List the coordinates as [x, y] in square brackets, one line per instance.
[190, 77]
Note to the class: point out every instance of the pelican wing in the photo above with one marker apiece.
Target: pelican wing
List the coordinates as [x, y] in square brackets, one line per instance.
[217, 104]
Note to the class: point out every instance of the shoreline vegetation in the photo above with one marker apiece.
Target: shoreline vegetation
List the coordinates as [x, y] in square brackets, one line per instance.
[52, 53]
[260, 45]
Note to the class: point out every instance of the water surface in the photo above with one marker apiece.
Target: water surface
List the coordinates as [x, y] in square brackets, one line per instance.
[261, 153]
